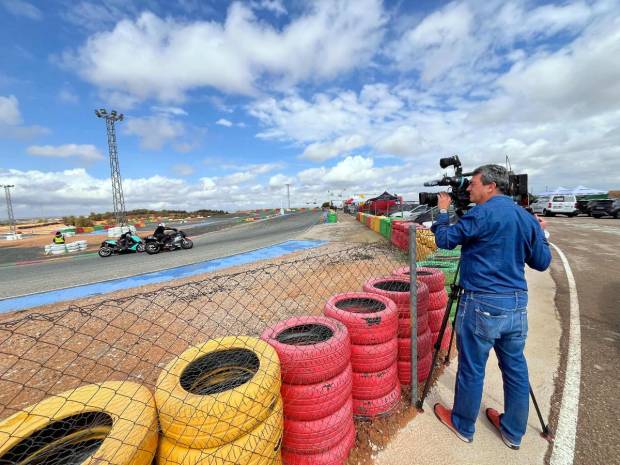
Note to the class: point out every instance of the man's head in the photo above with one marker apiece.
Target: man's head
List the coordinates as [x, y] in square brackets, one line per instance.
[487, 181]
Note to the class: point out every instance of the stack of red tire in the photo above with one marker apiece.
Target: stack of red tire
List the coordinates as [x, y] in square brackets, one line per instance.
[315, 361]
[437, 300]
[396, 288]
[399, 235]
[372, 321]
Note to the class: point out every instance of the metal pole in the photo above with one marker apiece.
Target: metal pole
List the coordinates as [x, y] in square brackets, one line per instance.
[118, 198]
[288, 195]
[9, 207]
[413, 308]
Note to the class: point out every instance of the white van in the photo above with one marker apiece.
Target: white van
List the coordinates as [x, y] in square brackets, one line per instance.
[550, 205]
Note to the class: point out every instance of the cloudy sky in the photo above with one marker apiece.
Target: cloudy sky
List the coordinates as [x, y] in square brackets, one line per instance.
[226, 102]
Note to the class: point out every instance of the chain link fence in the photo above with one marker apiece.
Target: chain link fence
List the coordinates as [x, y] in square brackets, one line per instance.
[200, 372]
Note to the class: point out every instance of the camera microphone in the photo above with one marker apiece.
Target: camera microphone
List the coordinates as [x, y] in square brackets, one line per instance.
[431, 183]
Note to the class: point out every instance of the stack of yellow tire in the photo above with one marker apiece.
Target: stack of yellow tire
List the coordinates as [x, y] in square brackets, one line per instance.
[113, 423]
[219, 403]
[425, 243]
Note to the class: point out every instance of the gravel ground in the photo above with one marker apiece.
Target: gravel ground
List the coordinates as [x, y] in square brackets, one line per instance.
[132, 334]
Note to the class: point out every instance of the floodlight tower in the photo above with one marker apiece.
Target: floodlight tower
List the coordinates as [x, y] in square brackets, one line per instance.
[288, 195]
[9, 207]
[117, 183]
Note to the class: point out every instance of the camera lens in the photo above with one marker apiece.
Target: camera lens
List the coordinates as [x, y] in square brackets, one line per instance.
[448, 161]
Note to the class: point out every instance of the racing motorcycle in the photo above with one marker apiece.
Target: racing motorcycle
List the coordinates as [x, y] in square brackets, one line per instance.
[177, 240]
[111, 246]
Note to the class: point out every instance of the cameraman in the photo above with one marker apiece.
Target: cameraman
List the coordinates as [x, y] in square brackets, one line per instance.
[498, 238]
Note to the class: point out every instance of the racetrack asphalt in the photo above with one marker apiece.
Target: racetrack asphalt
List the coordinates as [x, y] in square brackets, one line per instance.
[39, 277]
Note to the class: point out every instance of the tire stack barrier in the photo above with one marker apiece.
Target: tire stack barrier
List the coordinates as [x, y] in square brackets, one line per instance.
[448, 268]
[219, 402]
[437, 300]
[315, 356]
[372, 322]
[396, 288]
[56, 249]
[113, 423]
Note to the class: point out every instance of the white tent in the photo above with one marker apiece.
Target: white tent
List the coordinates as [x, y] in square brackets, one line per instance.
[579, 190]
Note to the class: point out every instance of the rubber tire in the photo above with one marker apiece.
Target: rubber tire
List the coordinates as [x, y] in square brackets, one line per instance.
[372, 358]
[367, 386]
[261, 446]
[399, 298]
[445, 343]
[404, 326]
[425, 345]
[314, 437]
[207, 421]
[437, 300]
[424, 368]
[131, 440]
[105, 254]
[336, 456]
[152, 249]
[377, 407]
[307, 402]
[435, 279]
[365, 328]
[311, 364]
[140, 247]
[187, 244]
[435, 318]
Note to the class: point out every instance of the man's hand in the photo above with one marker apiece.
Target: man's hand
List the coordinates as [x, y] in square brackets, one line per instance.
[543, 223]
[444, 200]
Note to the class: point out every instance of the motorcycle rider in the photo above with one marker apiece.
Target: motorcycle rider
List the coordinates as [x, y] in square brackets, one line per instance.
[124, 241]
[161, 235]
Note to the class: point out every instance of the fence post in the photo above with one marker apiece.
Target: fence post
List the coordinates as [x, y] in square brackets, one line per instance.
[413, 308]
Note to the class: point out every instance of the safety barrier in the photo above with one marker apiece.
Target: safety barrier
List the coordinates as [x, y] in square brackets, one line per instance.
[97, 378]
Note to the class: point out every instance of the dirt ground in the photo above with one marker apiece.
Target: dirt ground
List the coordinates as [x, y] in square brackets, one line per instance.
[132, 334]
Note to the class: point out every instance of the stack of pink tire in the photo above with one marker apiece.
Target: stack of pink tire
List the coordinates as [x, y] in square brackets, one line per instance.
[437, 300]
[396, 288]
[315, 362]
[372, 321]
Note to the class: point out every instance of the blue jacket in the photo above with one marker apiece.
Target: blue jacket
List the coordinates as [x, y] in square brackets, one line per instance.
[498, 238]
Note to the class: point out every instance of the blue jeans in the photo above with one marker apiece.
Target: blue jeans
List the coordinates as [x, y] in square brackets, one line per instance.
[499, 321]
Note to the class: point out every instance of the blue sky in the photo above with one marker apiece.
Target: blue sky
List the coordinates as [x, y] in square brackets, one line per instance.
[226, 102]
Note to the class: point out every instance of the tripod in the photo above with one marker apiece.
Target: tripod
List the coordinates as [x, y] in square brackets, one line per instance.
[456, 292]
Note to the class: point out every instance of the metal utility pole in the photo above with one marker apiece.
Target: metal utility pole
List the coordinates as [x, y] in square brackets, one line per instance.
[117, 183]
[9, 207]
[288, 195]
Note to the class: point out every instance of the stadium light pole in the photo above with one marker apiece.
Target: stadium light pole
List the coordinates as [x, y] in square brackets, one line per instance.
[9, 207]
[288, 195]
[120, 213]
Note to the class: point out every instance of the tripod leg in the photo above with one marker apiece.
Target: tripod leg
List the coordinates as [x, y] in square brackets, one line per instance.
[545, 429]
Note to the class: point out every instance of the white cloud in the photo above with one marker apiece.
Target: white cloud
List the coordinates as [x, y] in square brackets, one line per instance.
[66, 96]
[224, 122]
[175, 111]
[11, 121]
[280, 180]
[9, 111]
[86, 152]
[163, 58]
[22, 8]
[154, 131]
[326, 150]
[183, 169]
[275, 6]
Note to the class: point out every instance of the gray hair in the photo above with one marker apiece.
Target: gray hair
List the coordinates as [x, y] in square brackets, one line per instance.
[493, 173]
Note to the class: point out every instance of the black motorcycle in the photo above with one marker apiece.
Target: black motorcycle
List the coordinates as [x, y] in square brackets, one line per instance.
[177, 240]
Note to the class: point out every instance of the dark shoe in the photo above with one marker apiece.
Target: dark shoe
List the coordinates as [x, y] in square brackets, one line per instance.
[494, 416]
[444, 415]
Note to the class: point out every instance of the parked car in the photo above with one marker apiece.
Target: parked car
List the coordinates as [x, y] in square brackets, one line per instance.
[583, 207]
[555, 204]
[604, 207]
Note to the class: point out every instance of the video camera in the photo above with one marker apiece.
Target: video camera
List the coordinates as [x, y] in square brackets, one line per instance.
[517, 186]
